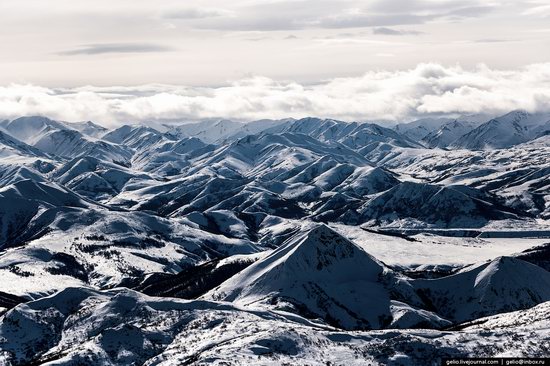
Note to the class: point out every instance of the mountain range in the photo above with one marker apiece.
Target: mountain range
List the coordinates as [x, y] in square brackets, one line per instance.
[298, 241]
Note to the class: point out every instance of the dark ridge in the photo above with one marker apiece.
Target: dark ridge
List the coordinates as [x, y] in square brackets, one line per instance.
[390, 233]
[432, 273]
[9, 301]
[539, 255]
[191, 282]
[462, 326]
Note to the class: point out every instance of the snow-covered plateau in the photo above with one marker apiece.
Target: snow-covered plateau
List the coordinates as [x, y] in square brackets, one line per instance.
[274, 242]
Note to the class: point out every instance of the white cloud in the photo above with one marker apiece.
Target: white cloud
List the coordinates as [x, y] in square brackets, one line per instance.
[426, 89]
[394, 32]
[196, 13]
[538, 8]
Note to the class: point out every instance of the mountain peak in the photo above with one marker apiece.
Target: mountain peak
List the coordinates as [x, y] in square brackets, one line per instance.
[322, 248]
[315, 273]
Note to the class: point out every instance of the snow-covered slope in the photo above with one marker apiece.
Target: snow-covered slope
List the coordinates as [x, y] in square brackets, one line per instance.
[419, 129]
[71, 144]
[209, 131]
[71, 245]
[123, 327]
[218, 131]
[11, 148]
[31, 129]
[451, 206]
[25, 203]
[137, 137]
[255, 127]
[448, 133]
[354, 135]
[168, 158]
[10, 174]
[87, 128]
[511, 129]
[97, 179]
[270, 155]
[320, 274]
[504, 284]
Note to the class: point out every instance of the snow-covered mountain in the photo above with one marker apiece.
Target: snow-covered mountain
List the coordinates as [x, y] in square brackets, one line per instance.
[451, 206]
[124, 327]
[314, 240]
[209, 131]
[71, 143]
[11, 148]
[502, 132]
[448, 133]
[419, 129]
[354, 135]
[31, 129]
[87, 128]
[502, 285]
[320, 274]
[136, 137]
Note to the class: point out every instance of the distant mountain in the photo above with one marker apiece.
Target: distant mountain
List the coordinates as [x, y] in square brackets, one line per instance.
[502, 132]
[254, 127]
[209, 131]
[170, 158]
[221, 130]
[87, 128]
[419, 129]
[353, 135]
[448, 133]
[71, 143]
[438, 206]
[541, 142]
[272, 154]
[137, 137]
[65, 139]
[32, 129]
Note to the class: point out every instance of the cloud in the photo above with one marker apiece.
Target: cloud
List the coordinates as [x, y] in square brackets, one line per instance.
[347, 39]
[327, 14]
[434, 8]
[539, 8]
[427, 89]
[394, 32]
[492, 40]
[102, 48]
[195, 13]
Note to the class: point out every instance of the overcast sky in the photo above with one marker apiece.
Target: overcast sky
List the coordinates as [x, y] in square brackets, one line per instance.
[204, 49]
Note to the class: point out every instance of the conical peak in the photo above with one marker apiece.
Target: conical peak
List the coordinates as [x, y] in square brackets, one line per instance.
[323, 247]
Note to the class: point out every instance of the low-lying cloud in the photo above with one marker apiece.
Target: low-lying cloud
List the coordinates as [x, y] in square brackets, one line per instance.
[428, 89]
[394, 32]
[195, 13]
[328, 14]
[103, 48]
